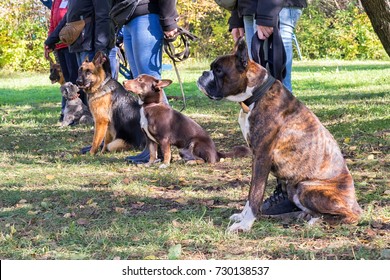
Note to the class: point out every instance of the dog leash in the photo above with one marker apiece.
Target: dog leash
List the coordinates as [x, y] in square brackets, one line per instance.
[169, 48]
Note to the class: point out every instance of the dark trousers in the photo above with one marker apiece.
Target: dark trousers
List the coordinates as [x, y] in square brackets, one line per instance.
[69, 67]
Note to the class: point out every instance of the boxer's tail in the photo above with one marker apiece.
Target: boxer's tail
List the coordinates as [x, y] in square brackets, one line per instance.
[237, 152]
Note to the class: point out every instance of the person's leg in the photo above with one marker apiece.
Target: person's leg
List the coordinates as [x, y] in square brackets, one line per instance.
[143, 41]
[288, 19]
[61, 55]
[81, 56]
[114, 63]
[249, 27]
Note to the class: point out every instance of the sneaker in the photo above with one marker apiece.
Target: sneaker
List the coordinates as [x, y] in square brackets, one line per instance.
[143, 157]
[278, 205]
[61, 118]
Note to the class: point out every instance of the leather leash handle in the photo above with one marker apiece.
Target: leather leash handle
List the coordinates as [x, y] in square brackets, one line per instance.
[170, 50]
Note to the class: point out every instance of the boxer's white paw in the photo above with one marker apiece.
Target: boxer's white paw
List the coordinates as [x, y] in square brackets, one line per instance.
[243, 221]
[236, 217]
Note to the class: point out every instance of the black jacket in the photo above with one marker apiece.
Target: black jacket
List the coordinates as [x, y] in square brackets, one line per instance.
[266, 11]
[98, 33]
[165, 8]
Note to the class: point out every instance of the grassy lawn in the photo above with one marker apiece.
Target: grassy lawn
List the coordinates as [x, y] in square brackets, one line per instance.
[58, 204]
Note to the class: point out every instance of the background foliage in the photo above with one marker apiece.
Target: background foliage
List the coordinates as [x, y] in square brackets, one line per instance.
[328, 29]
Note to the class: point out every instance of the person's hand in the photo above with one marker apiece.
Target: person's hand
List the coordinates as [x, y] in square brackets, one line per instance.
[47, 52]
[263, 32]
[171, 33]
[237, 33]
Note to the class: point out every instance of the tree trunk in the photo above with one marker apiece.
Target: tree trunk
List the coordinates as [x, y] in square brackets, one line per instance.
[379, 13]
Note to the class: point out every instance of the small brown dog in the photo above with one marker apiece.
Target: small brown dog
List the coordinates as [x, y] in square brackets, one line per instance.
[165, 126]
[116, 113]
[286, 138]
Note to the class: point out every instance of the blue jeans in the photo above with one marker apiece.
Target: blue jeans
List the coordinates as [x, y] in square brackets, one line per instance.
[288, 19]
[112, 57]
[81, 56]
[143, 41]
[250, 29]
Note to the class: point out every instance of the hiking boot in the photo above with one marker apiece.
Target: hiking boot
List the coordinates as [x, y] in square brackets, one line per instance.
[278, 205]
[143, 157]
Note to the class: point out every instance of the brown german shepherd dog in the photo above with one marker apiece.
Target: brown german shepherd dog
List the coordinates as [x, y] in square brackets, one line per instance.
[116, 113]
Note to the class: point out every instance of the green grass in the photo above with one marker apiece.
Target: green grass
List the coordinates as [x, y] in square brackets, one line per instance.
[58, 204]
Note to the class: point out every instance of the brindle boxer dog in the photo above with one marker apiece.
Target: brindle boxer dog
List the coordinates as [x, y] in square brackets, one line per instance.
[116, 113]
[286, 138]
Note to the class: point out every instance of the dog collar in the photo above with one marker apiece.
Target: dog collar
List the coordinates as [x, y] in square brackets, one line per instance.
[75, 97]
[258, 92]
[103, 89]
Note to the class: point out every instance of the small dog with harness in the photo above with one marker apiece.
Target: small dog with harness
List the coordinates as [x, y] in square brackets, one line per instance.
[116, 113]
[165, 126]
[286, 139]
[75, 112]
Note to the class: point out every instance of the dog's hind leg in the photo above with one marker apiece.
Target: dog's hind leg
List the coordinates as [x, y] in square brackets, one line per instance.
[334, 199]
[117, 145]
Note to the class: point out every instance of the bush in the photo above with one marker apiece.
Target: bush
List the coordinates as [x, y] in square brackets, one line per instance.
[23, 29]
[342, 31]
[346, 34]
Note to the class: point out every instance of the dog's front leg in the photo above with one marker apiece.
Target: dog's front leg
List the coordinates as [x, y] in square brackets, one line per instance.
[100, 132]
[166, 150]
[261, 166]
[107, 140]
[152, 151]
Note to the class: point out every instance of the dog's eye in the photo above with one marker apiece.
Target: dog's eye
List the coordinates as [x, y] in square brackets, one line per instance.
[218, 71]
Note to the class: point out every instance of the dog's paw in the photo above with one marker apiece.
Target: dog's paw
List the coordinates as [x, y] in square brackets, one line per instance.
[164, 165]
[236, 217]
[243, 221]
[243, 226]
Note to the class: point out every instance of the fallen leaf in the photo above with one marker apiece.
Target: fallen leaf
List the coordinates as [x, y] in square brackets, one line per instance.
[50, 177]
[137, 205]
[90, 201]
[151, 257]
[174, 210]
[116, 258]
[82, 222]
[126, 181]
[22, 201]
[181, 200]
[120, 210]
[67, 215]
[371, 157]
[175, 223]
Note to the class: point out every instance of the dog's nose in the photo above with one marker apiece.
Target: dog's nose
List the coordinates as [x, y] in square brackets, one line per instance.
[79, 82]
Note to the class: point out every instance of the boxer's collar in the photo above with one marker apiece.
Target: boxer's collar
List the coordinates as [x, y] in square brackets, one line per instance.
[258, 92]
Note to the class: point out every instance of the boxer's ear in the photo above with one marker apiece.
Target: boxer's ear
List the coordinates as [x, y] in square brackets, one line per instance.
[242, 56]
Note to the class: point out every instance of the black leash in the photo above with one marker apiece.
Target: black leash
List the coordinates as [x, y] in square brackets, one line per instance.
[185, 36]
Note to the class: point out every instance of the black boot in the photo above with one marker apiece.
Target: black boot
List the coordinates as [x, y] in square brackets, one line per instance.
[278, 204]
[143, 157]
